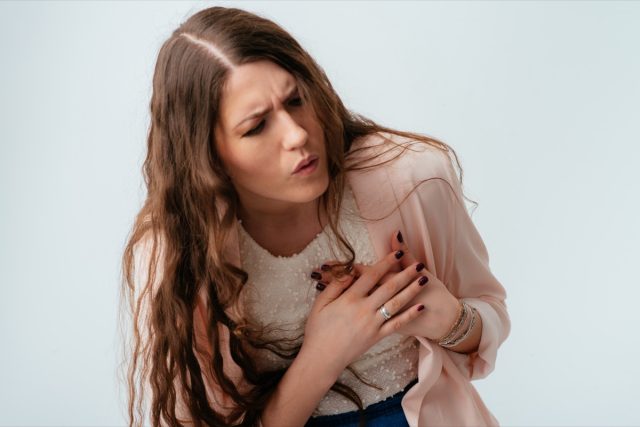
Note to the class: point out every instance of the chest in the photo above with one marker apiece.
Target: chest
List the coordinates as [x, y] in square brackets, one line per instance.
[279, 293]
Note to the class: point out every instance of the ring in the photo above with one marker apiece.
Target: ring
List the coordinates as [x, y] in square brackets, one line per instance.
[384, 312]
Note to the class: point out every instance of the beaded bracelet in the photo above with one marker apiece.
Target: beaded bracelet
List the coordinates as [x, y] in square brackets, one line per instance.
[465, 334]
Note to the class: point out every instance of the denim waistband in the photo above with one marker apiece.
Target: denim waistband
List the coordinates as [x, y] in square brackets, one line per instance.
[370, 411]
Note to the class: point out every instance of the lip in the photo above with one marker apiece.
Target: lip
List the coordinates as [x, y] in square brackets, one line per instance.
[304, 162]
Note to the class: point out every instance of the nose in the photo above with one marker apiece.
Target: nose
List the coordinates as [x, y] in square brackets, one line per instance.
[293, 135]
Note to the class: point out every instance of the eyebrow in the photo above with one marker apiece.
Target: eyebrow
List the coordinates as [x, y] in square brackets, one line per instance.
[263, 111]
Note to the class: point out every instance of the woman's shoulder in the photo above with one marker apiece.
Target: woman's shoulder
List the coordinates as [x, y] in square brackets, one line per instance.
[404, 160]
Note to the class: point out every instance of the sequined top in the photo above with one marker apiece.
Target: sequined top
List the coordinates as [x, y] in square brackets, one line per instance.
[280, 293]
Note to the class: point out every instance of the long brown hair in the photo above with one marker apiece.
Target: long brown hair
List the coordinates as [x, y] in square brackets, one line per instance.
[189, 211]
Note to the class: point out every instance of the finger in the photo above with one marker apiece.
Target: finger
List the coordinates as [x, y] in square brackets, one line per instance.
[384, 278]
[395, 305]
[324, 273]
[399, 320]
[399, 243]
[372, 274]
[333, 290]
[396, 284]
[328, 271]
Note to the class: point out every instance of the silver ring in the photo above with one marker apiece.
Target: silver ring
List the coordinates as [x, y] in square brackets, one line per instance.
[384, 312]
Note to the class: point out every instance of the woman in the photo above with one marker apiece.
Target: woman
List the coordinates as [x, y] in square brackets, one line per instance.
[294, 263]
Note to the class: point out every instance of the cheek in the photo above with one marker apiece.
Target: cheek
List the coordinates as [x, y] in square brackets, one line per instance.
[253, 167]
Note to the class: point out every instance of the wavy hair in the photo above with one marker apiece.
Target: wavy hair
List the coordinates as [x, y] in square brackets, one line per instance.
[189, 211]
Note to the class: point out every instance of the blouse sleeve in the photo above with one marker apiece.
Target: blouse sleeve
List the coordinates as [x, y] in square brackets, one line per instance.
[461, 260]
[471, 280]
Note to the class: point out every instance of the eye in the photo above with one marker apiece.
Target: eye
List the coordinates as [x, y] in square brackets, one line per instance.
[296, 102]
[256, 130]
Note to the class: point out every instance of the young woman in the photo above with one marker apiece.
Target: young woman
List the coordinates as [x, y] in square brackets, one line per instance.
[295, 263]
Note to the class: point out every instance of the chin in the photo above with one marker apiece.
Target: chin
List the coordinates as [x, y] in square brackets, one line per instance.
[305, 197]
[308, 193]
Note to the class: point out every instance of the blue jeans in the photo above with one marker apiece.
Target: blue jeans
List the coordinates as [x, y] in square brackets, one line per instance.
[387, 413]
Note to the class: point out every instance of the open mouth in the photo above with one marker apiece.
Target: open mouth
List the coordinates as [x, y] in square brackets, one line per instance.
[308, 168]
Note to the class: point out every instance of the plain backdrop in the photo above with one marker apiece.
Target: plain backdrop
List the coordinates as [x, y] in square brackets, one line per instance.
[539, 99]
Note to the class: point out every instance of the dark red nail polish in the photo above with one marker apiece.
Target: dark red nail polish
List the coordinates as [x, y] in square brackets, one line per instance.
[399, 237]
[420, 267]
[325, 267]
[420, 307]
[316, 276]
[399, 254]
[423, 280]
[320, 286]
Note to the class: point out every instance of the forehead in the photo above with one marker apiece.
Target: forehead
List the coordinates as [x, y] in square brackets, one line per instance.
[251, 86]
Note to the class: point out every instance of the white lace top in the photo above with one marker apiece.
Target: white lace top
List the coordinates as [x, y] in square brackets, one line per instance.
[280, 293]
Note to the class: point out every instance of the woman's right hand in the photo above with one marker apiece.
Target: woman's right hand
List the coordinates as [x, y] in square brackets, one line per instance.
[345, 321]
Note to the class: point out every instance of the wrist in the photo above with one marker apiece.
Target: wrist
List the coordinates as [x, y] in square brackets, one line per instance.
[324, 369]
[464, 334]
[471, 343]
[452, 321]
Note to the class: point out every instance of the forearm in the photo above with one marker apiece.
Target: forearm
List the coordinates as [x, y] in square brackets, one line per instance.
[297, 394]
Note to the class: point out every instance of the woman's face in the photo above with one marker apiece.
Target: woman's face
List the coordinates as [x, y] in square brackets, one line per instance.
[261, 151]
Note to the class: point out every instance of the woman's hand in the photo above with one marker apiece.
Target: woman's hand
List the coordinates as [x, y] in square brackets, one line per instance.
[441, 306]
[344, 321]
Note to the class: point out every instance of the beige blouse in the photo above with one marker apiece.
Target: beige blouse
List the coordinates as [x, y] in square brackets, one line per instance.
[280, 293]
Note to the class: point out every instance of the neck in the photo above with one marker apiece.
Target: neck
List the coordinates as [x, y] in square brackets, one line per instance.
[279, 217]
[283, 232]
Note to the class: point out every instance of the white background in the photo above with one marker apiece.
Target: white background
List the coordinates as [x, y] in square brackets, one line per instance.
[539, 99]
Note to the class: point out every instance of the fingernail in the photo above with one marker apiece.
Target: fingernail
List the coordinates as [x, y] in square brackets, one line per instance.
[423, 280]
[320, 286]
[399, 254]
[420, 307]
[399, 237]
[420, 267]
[316, 276]
[325, 267]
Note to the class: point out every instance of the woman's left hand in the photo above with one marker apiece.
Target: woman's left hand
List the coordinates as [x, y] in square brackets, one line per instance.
[441, 306]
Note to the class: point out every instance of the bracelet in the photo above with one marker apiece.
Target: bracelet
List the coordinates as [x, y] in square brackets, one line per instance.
[466, 333]
[462, 313]
[456, 333]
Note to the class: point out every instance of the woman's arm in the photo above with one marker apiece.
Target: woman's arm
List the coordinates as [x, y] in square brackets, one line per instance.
[462, 260]
[293, 401]
[300, 390]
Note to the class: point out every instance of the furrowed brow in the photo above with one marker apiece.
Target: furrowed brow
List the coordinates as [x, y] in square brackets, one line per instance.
[264, 111]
